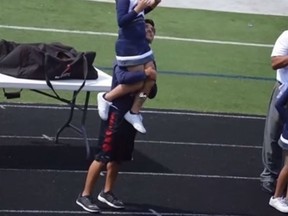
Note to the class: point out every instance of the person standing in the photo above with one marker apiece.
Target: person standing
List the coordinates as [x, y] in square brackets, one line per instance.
[280, 200]
[272, 153]
[116, 139]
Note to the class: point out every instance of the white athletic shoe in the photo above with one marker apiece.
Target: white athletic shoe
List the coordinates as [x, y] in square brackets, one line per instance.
[279, 203]
[103, 106]
[136, 121]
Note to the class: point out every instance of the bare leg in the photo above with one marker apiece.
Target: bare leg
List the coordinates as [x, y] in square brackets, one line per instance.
[92, 176]
[121, 90]
[142, 96]
[104, 100]
[283, 178]
[112, 173]
[106, 195]
[133, 115]
[150, 70]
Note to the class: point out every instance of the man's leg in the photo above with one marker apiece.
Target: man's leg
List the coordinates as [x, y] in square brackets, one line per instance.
[85, 198]
[271, 152]
[112, 173]
[92, 176]
[122, 90]
[106, 195]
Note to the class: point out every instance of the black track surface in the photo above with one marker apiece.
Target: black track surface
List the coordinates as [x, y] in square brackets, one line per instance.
[187, 164]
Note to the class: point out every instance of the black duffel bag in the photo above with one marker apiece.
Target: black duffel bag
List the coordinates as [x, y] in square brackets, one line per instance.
[42, 61]
[39, 60]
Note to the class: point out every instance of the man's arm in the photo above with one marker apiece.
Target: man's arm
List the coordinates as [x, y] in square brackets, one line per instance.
[152, 7]
[279, 56]
[279, 62]
[123, 76]
[150, 71]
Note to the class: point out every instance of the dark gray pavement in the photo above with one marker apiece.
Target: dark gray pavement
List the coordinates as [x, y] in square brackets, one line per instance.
[187, 164]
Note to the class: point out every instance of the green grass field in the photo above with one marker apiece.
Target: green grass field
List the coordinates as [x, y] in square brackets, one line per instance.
[181, 89]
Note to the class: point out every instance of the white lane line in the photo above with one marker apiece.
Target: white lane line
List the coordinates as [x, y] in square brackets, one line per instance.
[47, 137]
[205, 114]
[105, 213]
[28, 28]
[154, 212]
[153, 174]
[40, 212]
[40, 137]
[200, 144]
[146, 111]
[190, 175]
[157, 142]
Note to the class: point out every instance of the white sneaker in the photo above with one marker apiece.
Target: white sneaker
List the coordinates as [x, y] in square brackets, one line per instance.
[279, 203]
[136, 121]
[103, 106]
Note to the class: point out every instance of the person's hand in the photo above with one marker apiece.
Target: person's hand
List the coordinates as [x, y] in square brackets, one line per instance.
[142, 4]
[150, 72]
[155, 3]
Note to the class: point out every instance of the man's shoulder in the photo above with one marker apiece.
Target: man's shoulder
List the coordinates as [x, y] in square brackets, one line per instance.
[284, 34]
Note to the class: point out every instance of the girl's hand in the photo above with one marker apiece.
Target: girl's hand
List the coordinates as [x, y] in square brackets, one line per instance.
[154, 3]
[142, 4]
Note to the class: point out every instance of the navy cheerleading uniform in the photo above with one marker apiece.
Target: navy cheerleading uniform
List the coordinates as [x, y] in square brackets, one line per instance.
[131, 47]
[281, 106]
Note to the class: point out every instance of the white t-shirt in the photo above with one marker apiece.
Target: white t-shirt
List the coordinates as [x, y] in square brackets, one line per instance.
[281, 49]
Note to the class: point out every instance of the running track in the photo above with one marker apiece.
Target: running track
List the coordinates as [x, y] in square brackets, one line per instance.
[188, 164]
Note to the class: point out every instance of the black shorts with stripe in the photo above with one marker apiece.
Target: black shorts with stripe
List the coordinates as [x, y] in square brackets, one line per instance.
[116, 138]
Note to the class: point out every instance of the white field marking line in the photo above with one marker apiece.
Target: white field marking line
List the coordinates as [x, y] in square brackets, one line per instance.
[138, 141]
[104, 212]
[103, 173]
[146, 111]
[57, 30]
[115, 35]
[213, 41]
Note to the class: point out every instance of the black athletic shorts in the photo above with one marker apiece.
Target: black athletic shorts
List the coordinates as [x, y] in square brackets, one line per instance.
[116, 139]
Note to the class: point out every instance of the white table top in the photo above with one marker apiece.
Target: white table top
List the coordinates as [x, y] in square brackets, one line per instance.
[103, 83]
